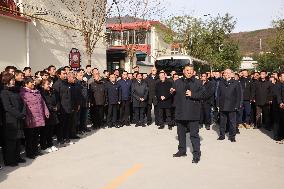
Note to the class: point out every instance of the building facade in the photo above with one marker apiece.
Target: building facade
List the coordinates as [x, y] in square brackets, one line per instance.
[133, 41]
[38, 43]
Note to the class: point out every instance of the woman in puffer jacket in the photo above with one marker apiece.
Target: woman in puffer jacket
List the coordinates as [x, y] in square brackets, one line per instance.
[37, 112]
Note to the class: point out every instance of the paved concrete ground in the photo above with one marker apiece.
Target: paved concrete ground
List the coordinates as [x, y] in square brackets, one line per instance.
[141, 158]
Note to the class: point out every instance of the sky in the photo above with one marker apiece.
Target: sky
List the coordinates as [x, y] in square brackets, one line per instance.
[250, 14]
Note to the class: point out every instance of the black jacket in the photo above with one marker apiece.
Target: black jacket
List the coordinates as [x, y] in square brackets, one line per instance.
[280, 93]
[163, 89]
[83, 87]
[76, 96]
[52, 102]
[151, 82]
[229, 95]
[97, 93]
[247, 86]
[139, 90]
[113, 93]
[14, 113]
[262, 92]
[209, 89]
[188, 108]
[63, 89]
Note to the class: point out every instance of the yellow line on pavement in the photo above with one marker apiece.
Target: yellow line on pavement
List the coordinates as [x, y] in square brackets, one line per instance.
[122, 178]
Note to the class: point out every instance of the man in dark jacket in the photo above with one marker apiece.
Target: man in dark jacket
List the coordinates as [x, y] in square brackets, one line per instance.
[113, 101]
[164, 98]
[262, 95]
[207, 102]
[151, 81]
[76, 102]
[139, 91]
[61, 87]
[188, 92]
[246, 84]
[229, 99]
[125, 93]
[82, 83]
[278, 128]
[97, 94]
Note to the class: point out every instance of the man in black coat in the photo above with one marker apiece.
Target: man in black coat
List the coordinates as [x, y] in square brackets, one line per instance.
[229, 99]
[63, 90]
[97, 94]
[125, 90]
[151, 81]
[82, 83]
[207, 102]
[262, 96]
[279, 127]
[246, 84]
[113, 100]
[164, 98]
[139, 91]
[188, 92]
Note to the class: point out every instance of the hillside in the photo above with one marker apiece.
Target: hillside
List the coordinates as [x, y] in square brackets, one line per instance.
[249, 42]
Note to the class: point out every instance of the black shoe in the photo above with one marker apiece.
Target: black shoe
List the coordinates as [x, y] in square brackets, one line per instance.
[75, 137]
[238, 132]
[149, 123]
[31, 157]
[127, 124]
[11, 164]
[195, 160]
[179, 154]
[143, 125]
[21, 160]
[232, 140]
[87, 130]
[161, 127]
[221, 138]
[137, 125]
[170, 128]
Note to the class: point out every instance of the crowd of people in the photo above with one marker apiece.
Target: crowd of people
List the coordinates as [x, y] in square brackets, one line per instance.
[51, 109]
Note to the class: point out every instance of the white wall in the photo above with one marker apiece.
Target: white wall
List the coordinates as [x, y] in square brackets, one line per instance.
[51, 44]
[12, 43]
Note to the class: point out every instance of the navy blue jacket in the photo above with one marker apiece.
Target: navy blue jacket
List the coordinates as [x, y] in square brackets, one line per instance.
[112, 93]
[229, 95]
[125, 89]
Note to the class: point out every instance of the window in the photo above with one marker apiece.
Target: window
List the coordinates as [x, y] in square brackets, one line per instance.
[140, 36]
[115, 38]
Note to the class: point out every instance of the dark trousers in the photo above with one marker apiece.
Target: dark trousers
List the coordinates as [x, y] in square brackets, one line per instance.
[230, 119]
[46, 134]
[32, 140]
[264, 111]
[253, 113]
[112, 113]
[149, 113]
[246, 112]
[11, 151]
[82, 119]
[278, 125]
[68, 127]
[124, 111]
[164, 113]
[205, 115]
[193, 127]
[139, 115]
[98, 116]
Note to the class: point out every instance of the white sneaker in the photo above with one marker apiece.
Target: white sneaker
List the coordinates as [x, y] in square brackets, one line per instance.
[48, 150]
[54, 149]
[70, 143]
